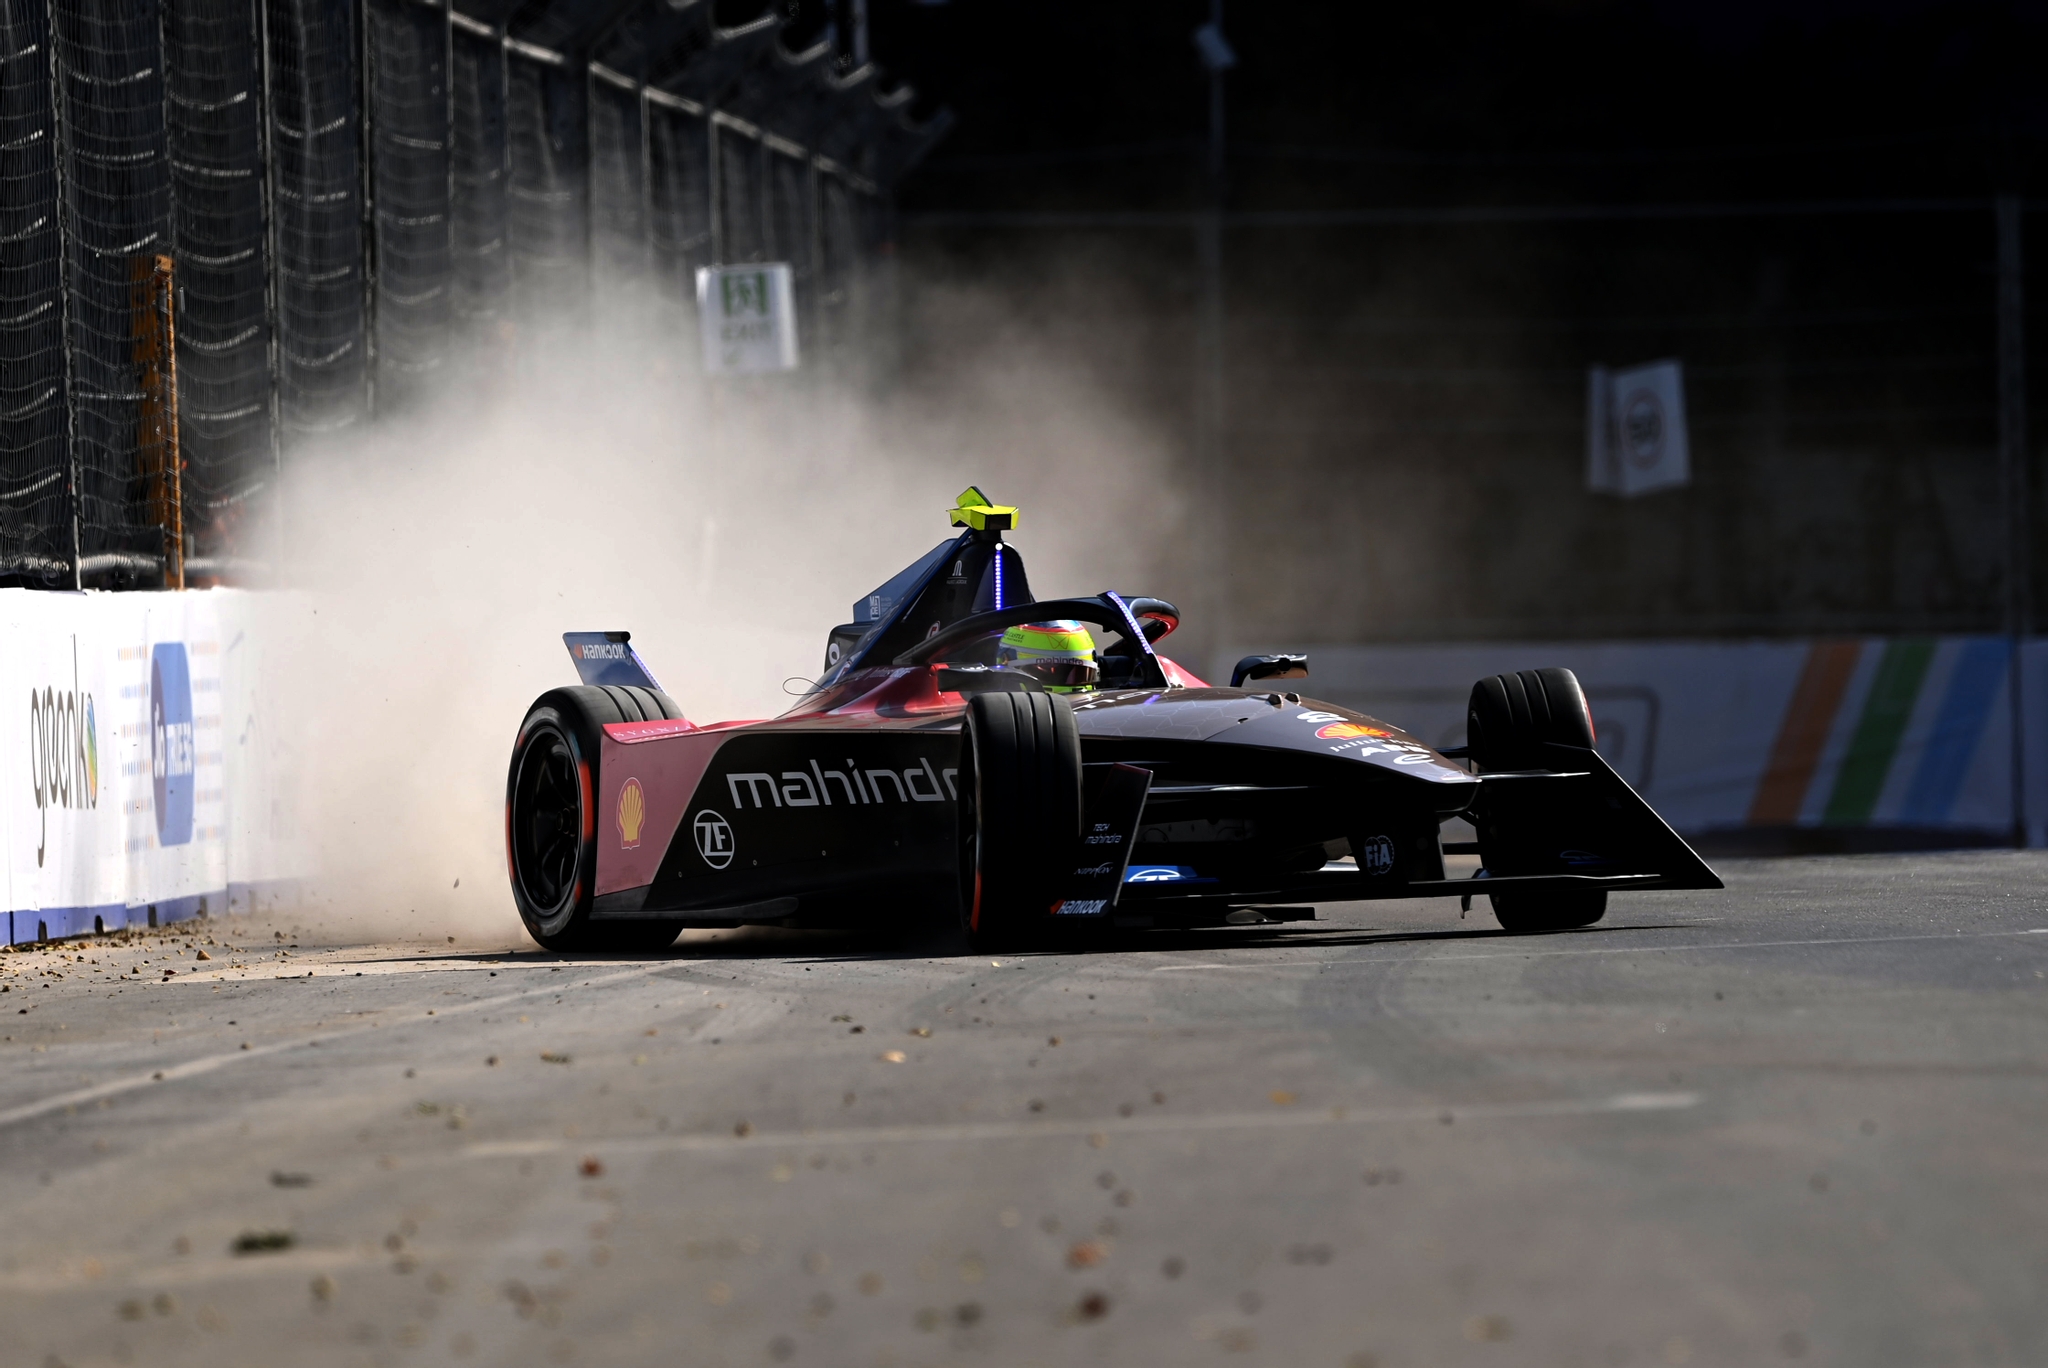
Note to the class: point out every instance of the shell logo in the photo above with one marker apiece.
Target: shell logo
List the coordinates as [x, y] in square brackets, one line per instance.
[632, 814]
[1350, 731]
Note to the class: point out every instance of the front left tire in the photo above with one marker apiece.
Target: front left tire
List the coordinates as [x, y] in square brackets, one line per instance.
[551, 818]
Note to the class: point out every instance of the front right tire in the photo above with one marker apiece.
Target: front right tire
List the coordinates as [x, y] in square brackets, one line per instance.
[1548, 911]
[1509, 724]
[1019, 814]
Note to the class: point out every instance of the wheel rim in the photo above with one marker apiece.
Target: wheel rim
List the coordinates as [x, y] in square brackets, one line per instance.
[547, 824]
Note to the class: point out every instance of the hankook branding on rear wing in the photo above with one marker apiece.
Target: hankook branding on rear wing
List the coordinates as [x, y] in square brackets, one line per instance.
[814, 788]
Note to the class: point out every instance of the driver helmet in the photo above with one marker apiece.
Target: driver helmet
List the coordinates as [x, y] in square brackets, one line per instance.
[1060, 655]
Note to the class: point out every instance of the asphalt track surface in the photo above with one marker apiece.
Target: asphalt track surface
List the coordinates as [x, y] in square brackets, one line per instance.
[1798, 1121]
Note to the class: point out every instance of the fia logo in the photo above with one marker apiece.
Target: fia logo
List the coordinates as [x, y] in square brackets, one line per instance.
[1375, 854]
[714, 839]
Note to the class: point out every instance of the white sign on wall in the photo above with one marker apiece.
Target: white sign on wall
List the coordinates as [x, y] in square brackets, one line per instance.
[1636, 440]
[748, 317]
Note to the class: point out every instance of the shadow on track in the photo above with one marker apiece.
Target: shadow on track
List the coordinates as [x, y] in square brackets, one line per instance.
[832, 945]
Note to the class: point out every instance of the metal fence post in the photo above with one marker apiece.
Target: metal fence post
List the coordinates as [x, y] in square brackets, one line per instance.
[61, 162]
[646, 111]
[260, 13]
[365, 153]
[1212, 409]
[2013, 484]
[715, 175]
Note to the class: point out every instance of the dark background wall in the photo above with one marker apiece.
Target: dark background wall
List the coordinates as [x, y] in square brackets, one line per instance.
[1404, 402]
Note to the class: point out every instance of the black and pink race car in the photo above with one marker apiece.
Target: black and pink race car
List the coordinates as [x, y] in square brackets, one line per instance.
[919, 772]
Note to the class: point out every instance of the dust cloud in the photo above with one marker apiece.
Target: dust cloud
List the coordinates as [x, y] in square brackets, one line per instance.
[591, 480]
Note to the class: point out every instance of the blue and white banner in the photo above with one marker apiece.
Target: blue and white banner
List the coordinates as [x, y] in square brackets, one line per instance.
[146, 776]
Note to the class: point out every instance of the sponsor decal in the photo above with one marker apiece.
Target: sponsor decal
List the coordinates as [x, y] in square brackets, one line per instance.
[1351, 731]
[1159, 874]
[631, 732]
[602, 650]
[1102, 835]
[1375, 855]
[1094, 871]
[171, 752]
[1583, 859]
[632, 814]
[714, 839]
[816, 786]
[64, 751]
[1317, 717]
[1080, 907]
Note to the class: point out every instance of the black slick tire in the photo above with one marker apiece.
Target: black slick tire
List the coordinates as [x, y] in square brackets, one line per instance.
[1548, 911]
[551, 819]
[1019, 814]
[1512, 716]
[1508, 723]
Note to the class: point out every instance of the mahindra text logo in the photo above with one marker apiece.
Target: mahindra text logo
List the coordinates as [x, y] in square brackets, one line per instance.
[813, 788]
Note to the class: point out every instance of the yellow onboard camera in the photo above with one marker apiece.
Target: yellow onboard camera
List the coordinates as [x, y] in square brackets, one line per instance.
[974, 510]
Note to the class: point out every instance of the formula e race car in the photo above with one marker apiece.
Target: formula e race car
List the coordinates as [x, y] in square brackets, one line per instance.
[932, 763]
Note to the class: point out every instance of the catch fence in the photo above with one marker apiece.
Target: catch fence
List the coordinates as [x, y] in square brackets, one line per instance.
[343, 194]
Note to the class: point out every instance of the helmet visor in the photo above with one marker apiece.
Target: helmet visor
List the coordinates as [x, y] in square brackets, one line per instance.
[1059, 674]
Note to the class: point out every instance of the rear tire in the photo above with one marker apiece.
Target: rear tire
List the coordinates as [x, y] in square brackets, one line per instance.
[1019, 814]
[551, 820]
[1523, 912]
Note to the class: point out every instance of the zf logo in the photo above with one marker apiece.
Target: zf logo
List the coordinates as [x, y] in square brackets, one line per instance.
[714, 839]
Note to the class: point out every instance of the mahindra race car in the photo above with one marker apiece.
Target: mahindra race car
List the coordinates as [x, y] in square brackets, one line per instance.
[925, 766]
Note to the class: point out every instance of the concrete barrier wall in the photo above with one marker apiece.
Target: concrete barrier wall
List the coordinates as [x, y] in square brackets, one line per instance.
[1905, 734]
[148, 773]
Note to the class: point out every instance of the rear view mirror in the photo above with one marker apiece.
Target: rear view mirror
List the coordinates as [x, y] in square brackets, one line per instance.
[1268, 667]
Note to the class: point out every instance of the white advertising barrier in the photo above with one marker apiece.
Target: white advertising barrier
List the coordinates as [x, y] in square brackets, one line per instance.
[1905, 732]
[147, 778]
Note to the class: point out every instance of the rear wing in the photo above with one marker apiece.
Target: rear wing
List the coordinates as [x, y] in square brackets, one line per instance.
[608, 658]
